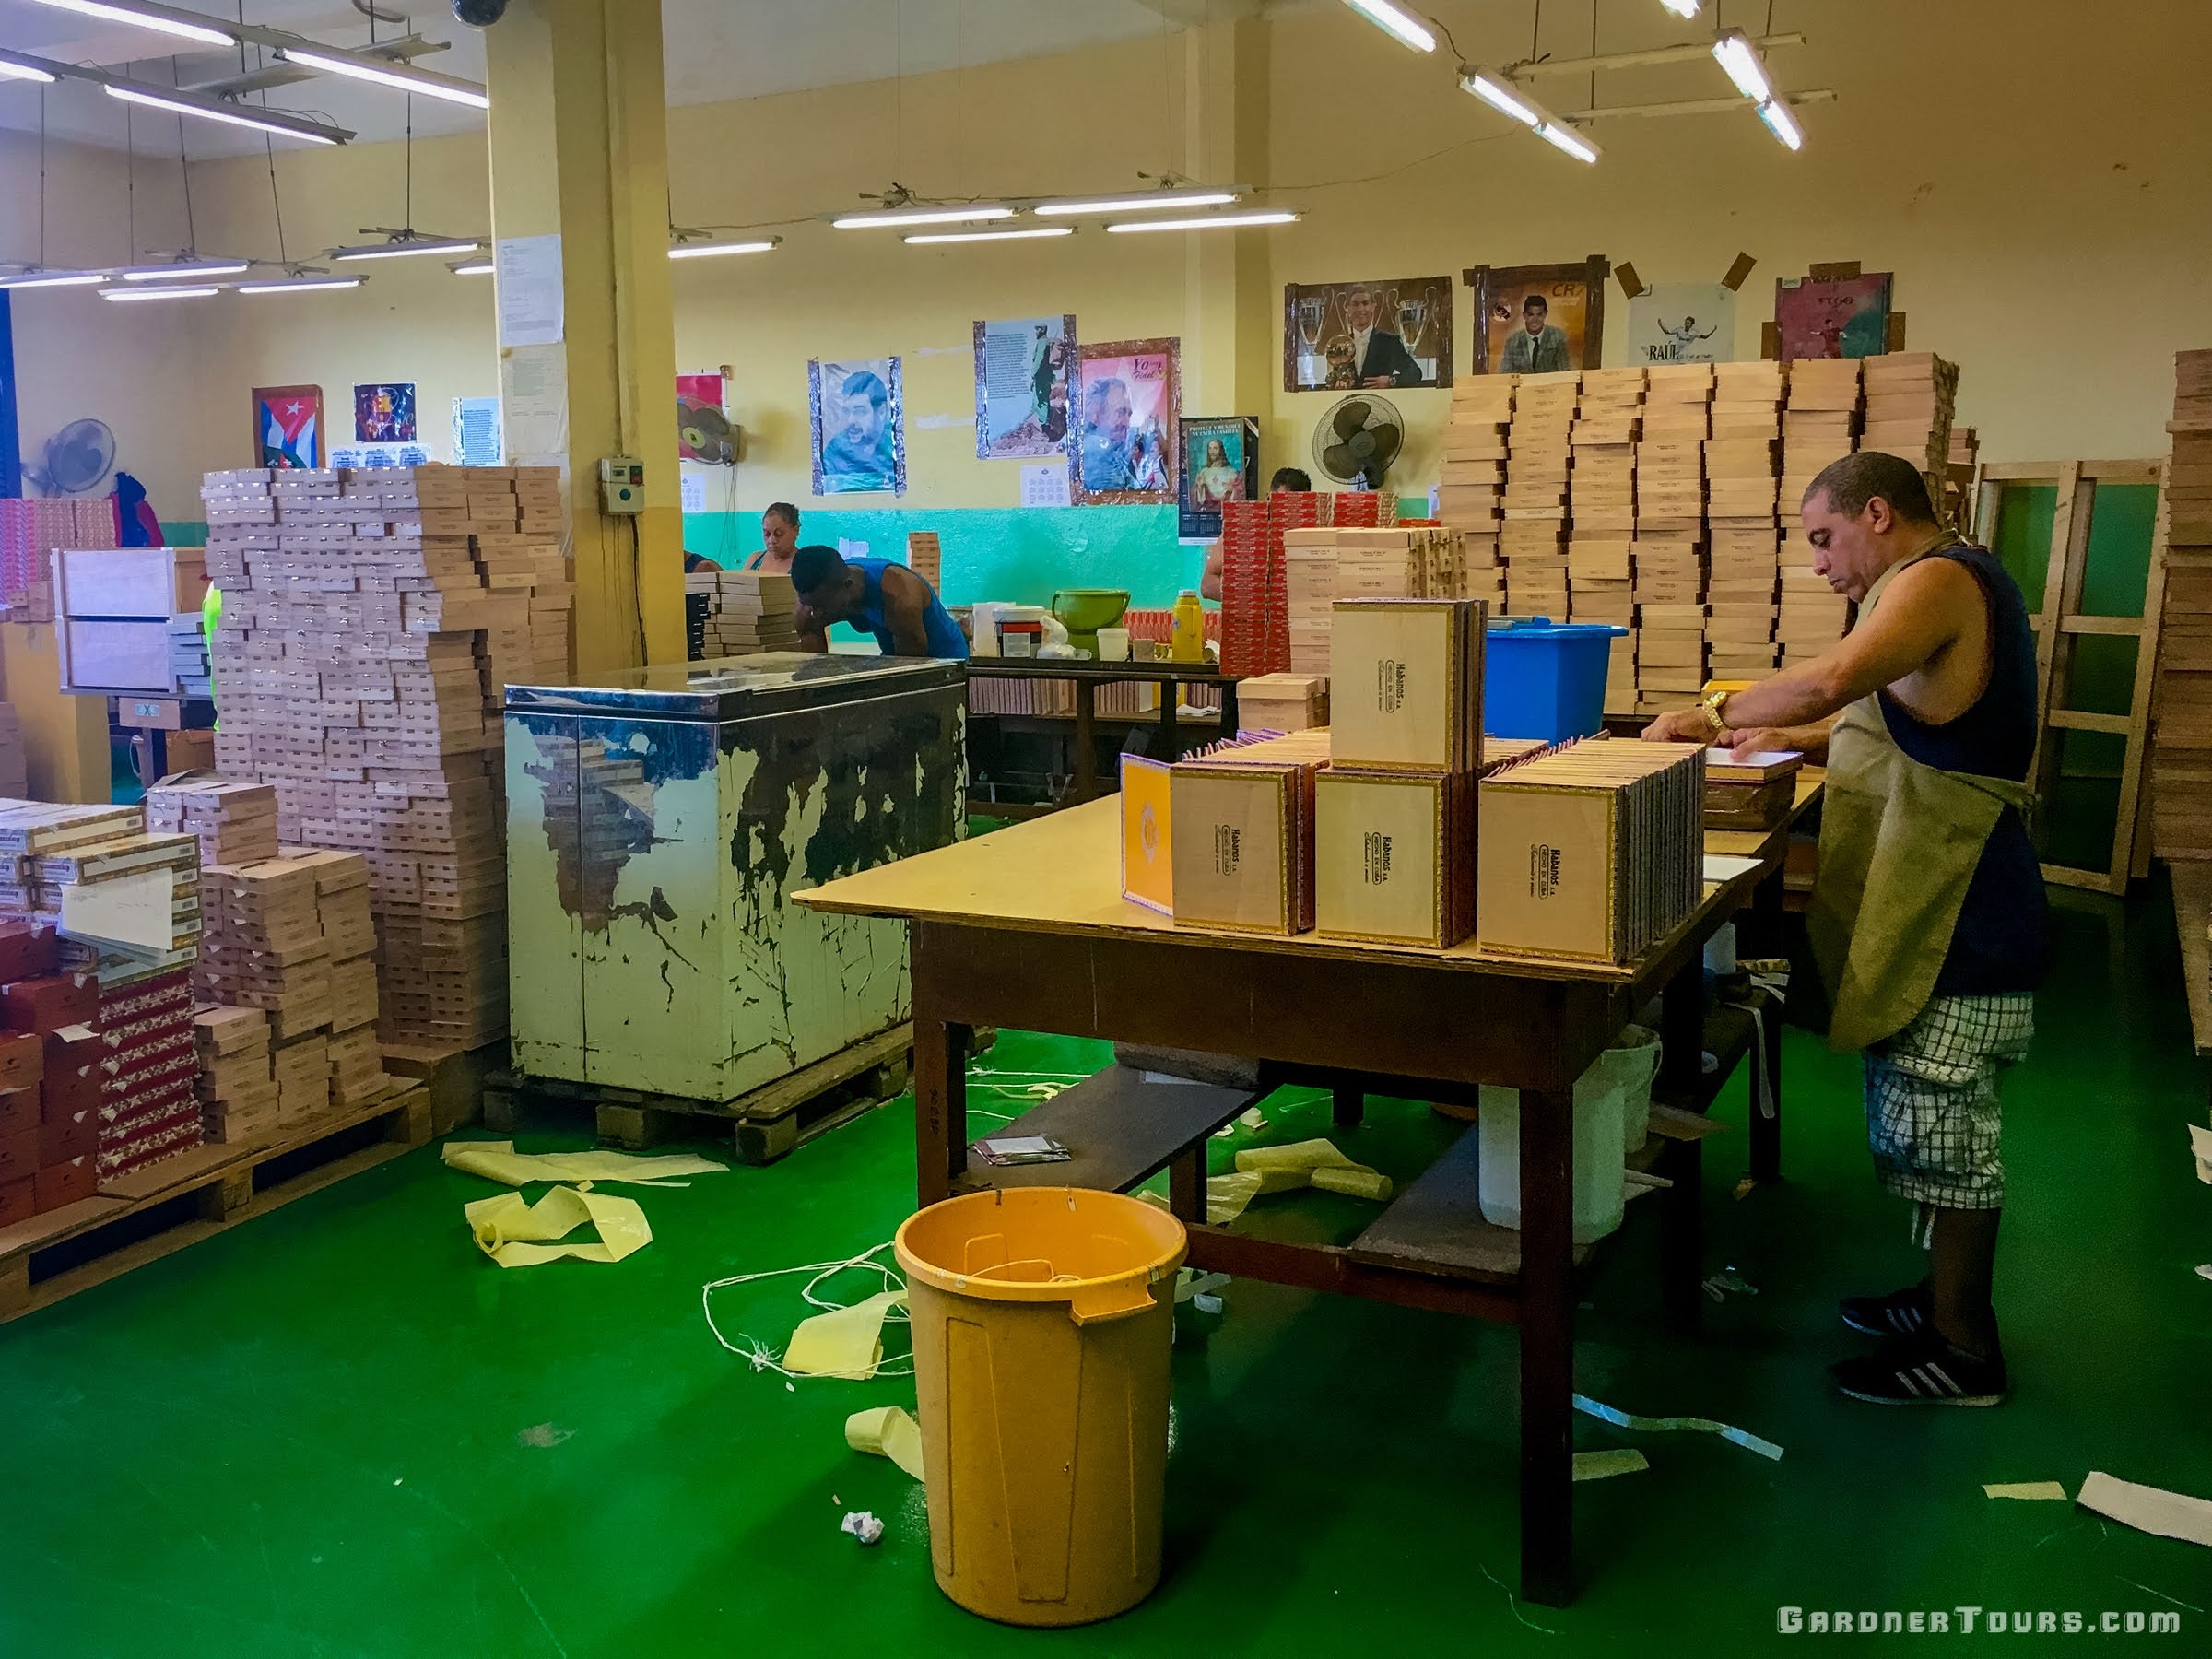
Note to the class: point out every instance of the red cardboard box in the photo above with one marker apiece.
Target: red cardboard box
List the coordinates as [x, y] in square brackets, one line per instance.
[19, 1156]
[72, 1069]
[19, 1110]
[49, 1004]
[68, 1135]
[58, 1185]
[21, 1060]
[19, 1201]
[28, 949]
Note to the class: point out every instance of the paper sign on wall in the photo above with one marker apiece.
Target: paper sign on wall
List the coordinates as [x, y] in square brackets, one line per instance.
[134, 911]
[1045, 484]
[477, 432]
[534, 386]
[693, 489]
[532, 306]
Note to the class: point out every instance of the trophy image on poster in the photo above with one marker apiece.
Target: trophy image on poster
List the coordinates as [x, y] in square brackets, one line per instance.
[1311, 310]
[1413, 313]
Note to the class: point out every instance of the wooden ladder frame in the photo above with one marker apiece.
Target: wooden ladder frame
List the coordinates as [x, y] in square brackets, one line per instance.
[2060, 623]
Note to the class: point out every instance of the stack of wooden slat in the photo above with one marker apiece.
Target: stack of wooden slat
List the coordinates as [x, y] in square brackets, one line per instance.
[1533, 543]
[1471, 498]
[1909, 396]
[2180, 752]
[362, 662]
[1602, 501]
[926, 557]
[1958, 503]
[1309, 589]
[1669, 550]
[747, 612]
[1820, 424]
[235, 823]
[1743, 464]
[237, 1090]
[14, 759]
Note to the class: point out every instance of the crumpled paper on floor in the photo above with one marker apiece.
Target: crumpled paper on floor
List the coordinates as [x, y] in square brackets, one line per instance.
[2200, 1143]
[518, 1234]
[1628, 1419]
[2147, 1508]
[498, 1160]
[845, 1341]
[888, 1432]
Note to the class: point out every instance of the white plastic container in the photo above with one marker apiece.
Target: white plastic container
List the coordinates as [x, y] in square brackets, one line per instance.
[1598, 1157]
[1631, 1064]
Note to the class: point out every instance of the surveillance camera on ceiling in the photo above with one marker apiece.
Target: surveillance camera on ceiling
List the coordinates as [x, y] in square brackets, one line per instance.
[479, 14]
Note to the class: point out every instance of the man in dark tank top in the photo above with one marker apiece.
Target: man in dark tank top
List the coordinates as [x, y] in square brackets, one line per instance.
[1929, 921]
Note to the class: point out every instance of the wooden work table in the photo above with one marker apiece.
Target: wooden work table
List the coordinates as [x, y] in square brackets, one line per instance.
[1088, 676]
[1027, 928]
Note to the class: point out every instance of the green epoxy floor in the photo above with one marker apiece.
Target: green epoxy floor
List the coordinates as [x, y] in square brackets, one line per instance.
[337, 1430]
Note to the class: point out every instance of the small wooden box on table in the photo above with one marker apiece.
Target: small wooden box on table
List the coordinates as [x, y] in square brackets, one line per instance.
[1028, 928]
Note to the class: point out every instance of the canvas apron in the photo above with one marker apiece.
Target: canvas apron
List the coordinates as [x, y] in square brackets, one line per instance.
[1900, 841]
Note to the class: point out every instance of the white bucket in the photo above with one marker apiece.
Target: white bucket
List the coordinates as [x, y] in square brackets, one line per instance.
[1631, 1064]
[1598, 1157]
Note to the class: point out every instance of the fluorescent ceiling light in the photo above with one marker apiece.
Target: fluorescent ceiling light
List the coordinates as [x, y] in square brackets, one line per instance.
[969, 236]
[1733, 49]
[184, 270]
[161, 293]
[712, 250]
[1493, 90]
[159, 18]
[1683, 9]
[209, 109]
[410, 247]
[472, 267]
[384, 72]
[13, 68]
[1395, 19]
[1133, 203]
[38, 279]
[1782, 123]
[1561, 136]
[315, 282]
[921, 216]
[1207, 221]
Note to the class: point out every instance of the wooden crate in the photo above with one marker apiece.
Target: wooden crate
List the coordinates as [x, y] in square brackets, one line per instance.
[195, 1196]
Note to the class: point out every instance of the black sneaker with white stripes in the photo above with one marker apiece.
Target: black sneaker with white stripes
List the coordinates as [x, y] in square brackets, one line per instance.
[1923, 1370]
[1899, 1313]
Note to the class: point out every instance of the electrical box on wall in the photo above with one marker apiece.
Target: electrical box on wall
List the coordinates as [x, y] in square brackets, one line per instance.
[621, 484]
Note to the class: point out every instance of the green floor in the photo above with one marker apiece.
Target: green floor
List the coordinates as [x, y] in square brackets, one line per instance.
[337, 1430]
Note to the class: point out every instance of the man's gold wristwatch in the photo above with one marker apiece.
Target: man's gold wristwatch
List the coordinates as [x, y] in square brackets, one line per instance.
[1709, 706]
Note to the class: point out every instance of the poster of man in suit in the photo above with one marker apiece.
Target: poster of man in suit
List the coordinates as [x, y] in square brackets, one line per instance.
[1340, 335]
[1539, 318]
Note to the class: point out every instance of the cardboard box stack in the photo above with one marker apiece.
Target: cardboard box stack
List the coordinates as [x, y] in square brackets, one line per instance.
[31, 529]
[236, 1090]
[1283, 702]
[1471, 496]
[1592, 849]
[360, 654]
[926, 557]
[188, 664]
[1909, 396]
[1819, 424]
[747, 612]
[1395, 812]
[234, 823]
[1670, 547]
[1255, 621]
[2180, 750]
[1532, 544]
[1745, 531]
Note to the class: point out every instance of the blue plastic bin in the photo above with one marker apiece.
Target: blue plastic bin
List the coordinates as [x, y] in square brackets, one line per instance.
[1546, 679]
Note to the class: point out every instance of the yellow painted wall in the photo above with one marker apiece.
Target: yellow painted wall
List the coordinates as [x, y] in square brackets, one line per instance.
[2043, 189]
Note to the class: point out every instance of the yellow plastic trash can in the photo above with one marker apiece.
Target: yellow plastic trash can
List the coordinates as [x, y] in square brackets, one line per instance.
[1042, 1318]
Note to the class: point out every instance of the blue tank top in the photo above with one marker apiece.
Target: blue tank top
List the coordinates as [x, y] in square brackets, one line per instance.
[943, 633]
[2002, 941]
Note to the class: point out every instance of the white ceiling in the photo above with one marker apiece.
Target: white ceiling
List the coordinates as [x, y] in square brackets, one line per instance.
[716, 49]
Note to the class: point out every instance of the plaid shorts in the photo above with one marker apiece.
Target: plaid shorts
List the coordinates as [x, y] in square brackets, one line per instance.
[1931, 1112]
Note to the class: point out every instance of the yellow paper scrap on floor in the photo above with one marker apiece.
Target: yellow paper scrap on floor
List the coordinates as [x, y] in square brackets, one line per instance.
[1302, 1155]
[845, 1341]
[517, 1234]
[888, 1432]
[1601, 1465]
[2045, 1490]
[498, 1160]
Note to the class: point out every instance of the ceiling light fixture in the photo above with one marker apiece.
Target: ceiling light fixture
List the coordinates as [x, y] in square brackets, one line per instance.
[184, 25]
[386, 72]
[1733, 49]
[302, 282]
[38, 277]
[209, 109]
[1508, 99]
[171, 292]
[1138, 201]
[1396, 20]
[185, 268]
[471, 268]
[16, 68]
[892, 217]
[407, 244]
[715, 250]
[1211, 221]
[975, 236]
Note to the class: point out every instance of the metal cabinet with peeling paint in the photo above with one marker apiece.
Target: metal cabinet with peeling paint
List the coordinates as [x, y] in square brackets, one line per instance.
[658, 822]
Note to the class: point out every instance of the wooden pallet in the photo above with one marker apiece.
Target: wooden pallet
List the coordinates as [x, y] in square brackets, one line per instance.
[149, 1213]
[454, 1077]
[768, 1122]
